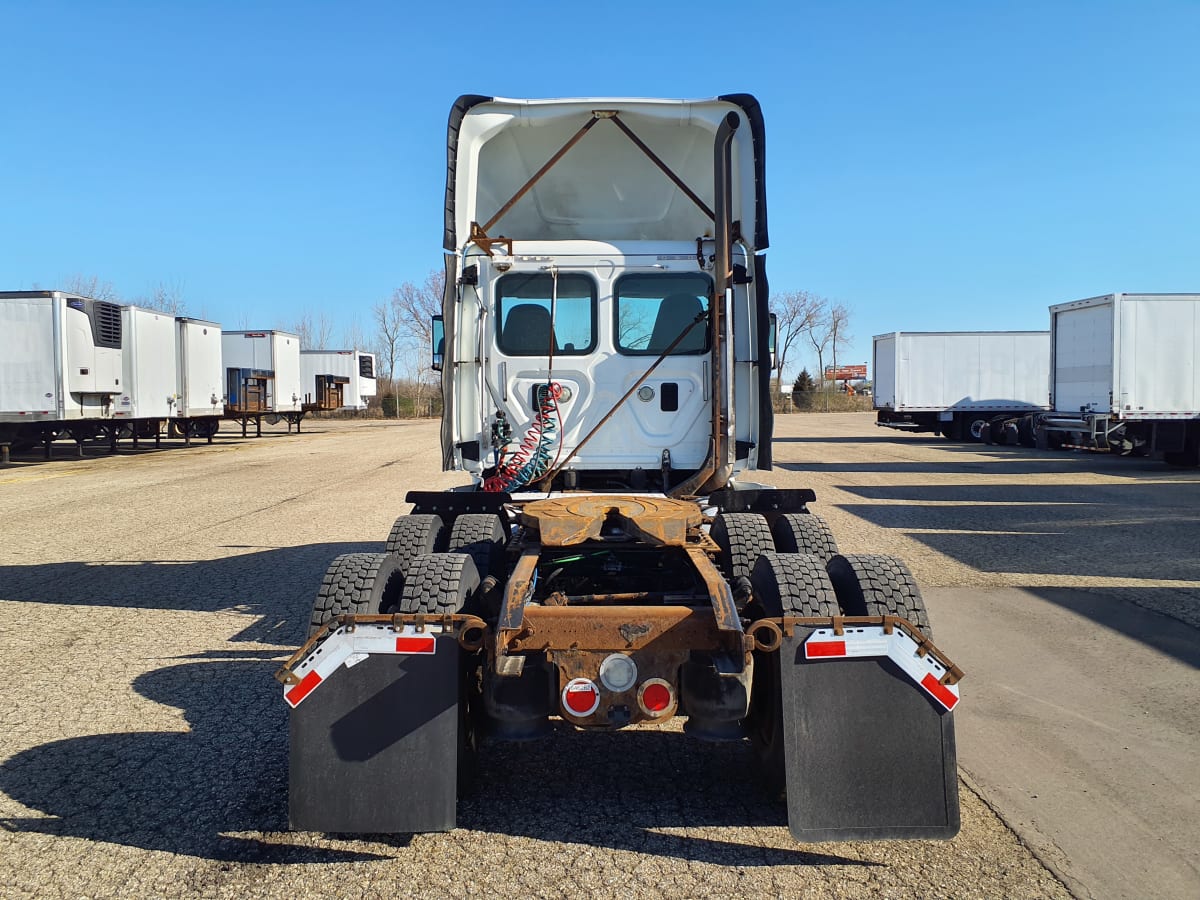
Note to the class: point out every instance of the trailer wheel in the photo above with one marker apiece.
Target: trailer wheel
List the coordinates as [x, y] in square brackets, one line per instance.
[356, 584]
[742, 537]
[482, 537]
[872, 585]
[1026, 434]
[414, 535]
[975, 428]
[785, 584]
[985, 433]
[804, 533]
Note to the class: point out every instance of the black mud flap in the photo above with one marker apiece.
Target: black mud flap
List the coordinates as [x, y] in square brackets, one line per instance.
[868, 754]
[374, 748]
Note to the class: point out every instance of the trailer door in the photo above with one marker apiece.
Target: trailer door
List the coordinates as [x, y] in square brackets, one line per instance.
[1083, 358]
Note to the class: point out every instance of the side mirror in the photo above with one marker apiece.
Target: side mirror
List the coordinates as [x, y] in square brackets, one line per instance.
[772, 338]
[438, 334]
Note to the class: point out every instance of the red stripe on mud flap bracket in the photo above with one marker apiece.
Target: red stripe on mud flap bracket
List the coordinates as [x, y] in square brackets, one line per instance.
[819, 649]
[939, 691]
[303, 689]
[416, 643]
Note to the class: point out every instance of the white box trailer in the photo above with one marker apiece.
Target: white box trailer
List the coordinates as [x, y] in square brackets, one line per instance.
[338, 379]
[60, 358]
[148, 361]
[955, 382]
[200, 384]
[262, 372]
[1125, 374]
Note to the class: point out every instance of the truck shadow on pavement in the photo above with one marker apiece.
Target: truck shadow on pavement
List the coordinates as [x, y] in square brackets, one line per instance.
[187, 793]
[219, 790]
[277, 585]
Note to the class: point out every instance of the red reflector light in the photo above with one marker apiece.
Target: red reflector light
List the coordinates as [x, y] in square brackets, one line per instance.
[422, 643]
[824, 648]
[656, 697]
[939, 691]
[581, 697]
[304, 688]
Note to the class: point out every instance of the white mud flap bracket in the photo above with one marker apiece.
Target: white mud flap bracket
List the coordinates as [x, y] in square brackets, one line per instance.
[868, 736]
[374, 731]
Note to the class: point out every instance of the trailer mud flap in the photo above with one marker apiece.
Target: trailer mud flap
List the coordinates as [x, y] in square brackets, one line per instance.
[869, 753]
[374, 748]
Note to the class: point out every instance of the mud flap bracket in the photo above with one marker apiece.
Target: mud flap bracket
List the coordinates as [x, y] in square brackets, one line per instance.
[869, 754]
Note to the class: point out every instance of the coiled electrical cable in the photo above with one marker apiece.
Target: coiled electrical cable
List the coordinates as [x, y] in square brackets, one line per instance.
[533, 458]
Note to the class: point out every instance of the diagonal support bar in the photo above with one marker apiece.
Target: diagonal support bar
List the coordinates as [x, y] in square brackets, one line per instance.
[666, 170]
[537, 176]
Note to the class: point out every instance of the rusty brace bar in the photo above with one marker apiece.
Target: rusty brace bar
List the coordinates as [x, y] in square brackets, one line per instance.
[786, 625]
[587, 126]
[459, 623]
[666, 170]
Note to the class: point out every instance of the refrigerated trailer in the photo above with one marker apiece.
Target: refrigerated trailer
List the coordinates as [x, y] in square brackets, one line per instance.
[606, 352]
[955, 383]
[338, 379]
[148, 361]
[1125, 375]
[60, 366]
[200, 391]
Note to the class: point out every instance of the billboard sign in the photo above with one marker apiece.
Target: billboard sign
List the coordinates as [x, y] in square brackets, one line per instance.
[846, 373]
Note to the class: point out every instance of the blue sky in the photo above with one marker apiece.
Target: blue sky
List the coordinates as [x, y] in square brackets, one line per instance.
[934, 166]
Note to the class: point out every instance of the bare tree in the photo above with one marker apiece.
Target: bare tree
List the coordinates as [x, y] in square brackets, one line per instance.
[819, 334]
[839, 329]
[91, 286]
[795, 314]
[166, 296]
[315, 333]
[389, 334]
[416, 306]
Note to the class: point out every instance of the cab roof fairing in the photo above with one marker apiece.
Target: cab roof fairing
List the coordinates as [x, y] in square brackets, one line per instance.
[604, 187]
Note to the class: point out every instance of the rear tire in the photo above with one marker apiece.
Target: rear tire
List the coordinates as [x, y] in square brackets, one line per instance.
[443, 584]
[872, 585]
[415, 535]
[742, 537]
[439, 584]
[356, 584]
[785, 584]
[804, 533]
[481, 536]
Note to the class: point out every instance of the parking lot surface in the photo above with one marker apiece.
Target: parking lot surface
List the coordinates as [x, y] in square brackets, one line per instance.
[149, 597]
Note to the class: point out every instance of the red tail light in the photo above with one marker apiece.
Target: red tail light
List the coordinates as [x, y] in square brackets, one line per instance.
[656, 697]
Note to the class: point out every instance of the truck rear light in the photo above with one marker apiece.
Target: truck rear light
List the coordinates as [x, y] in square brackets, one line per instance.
[618, 673]
[581, 697]
[656, 697]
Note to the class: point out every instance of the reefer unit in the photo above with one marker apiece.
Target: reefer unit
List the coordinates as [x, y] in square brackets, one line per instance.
[60, 357]
[1125, 373]
[262, 371]
[338, 379]
[200, 388]
[954, 382]
[148, 357]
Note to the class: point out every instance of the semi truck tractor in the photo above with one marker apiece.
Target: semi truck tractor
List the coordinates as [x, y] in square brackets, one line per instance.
[605, 347]
[957, 383]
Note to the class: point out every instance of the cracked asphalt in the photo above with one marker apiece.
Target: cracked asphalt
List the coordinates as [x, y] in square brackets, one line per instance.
[148, 598]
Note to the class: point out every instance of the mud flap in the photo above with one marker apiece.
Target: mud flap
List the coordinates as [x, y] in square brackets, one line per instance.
[375, 747]
[868, 754]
